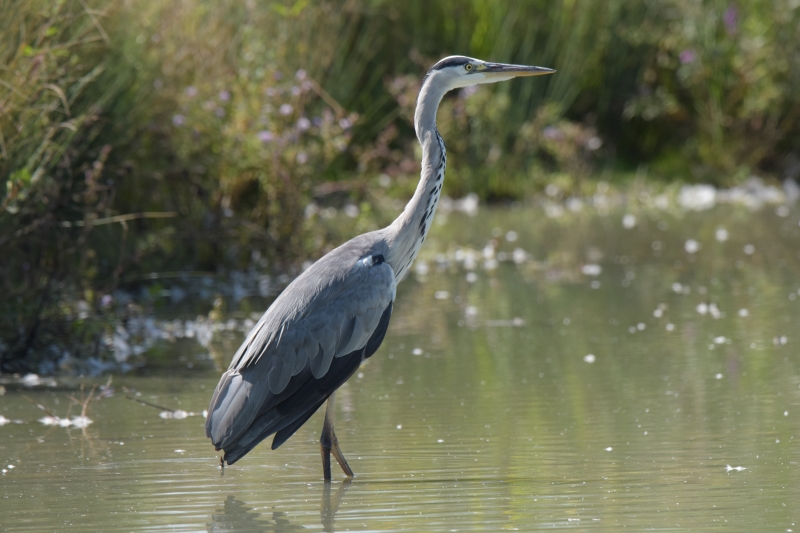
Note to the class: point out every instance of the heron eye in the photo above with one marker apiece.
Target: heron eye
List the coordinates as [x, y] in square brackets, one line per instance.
[468, 67]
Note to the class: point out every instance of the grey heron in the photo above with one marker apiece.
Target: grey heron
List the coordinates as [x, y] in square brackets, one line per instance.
[334, 315]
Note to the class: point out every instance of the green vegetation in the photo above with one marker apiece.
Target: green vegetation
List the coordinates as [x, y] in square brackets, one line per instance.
[139, 136]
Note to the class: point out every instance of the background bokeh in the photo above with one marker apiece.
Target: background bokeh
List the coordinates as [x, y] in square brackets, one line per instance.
[139, 136]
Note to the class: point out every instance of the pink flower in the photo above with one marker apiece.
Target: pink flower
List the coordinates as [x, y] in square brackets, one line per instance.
[687, 56]
[731, 19]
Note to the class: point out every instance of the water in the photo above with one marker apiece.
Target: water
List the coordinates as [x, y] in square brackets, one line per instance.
[483, 410]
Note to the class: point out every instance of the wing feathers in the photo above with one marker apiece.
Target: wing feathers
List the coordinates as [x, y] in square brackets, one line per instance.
[287, 361]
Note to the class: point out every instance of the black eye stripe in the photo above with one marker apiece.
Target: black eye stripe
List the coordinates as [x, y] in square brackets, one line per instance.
[451, 62]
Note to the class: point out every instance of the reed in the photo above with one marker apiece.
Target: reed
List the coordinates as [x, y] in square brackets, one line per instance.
[140, 136]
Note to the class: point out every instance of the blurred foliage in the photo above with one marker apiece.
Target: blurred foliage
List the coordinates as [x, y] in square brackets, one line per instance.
[140, 136]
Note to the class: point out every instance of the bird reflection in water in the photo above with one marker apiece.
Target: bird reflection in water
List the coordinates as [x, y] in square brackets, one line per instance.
[236, 516]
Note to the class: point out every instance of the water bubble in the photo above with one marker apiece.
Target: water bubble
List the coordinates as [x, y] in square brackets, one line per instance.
[692, 246]
[81, 421]
[609, 449]
[417, 351]
[658, 313]
[591, 270]
[519, 256]
[729, 468]
[744, 313]
[749, 249]
[511, 236]
[589, 358]
[628, 221]
[441, 295]
[670, 327]
[721, 234]
[595, 284]
[640, 326]
[697, 197]
[471, 277]
[702, 308]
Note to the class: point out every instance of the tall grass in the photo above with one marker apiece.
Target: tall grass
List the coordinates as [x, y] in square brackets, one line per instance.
[229, 117]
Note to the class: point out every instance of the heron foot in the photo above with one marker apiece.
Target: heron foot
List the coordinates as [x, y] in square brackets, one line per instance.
[330, 444]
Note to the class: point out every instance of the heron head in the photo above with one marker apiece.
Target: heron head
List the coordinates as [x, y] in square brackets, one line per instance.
[455, 72]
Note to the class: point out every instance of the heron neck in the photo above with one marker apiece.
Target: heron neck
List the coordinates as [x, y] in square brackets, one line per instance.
[407, 233]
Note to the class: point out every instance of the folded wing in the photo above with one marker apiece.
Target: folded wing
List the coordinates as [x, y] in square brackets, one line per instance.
[307, 344]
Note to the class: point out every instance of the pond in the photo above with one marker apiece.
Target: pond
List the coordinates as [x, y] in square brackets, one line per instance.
[586, 369]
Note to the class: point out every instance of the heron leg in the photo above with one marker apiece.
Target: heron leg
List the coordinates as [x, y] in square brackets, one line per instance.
[330, 444]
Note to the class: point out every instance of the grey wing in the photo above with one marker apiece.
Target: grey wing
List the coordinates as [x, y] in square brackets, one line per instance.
[287, 368]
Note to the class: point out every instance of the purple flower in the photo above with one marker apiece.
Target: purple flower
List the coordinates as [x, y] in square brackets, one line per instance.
[224, 96]
[278, 75]
[731, 19]
[345, 123]
[266, 136]
[219, 112]
[271, 92]
[302, 158]
[106, 300]
[468, 91]
[178, 120]
[687, 56]
[191, 91]
[296, 90]
[300, 75]
[303, 124]
[286, 109]
[553, 133]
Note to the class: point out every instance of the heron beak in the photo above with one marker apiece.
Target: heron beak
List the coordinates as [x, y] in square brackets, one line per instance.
[503, 71]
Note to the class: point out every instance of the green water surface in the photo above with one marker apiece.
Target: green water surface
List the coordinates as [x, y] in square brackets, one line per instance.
[662, 393]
